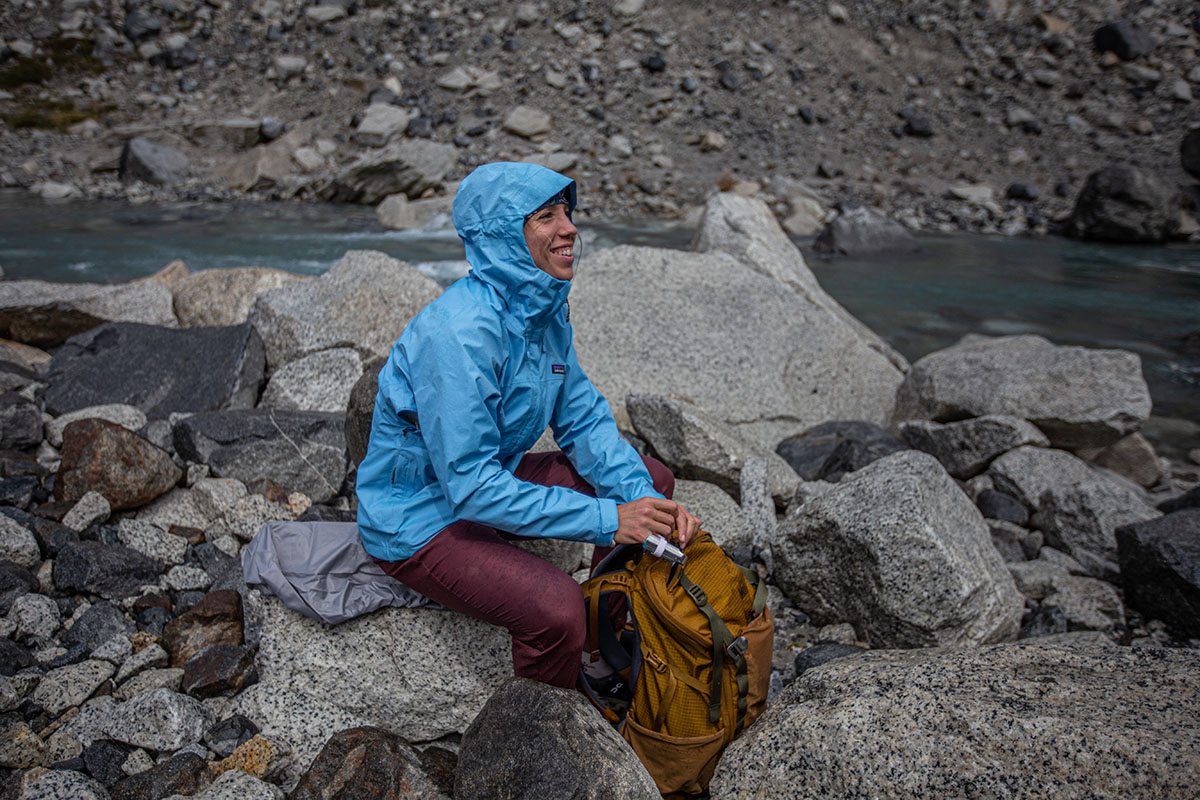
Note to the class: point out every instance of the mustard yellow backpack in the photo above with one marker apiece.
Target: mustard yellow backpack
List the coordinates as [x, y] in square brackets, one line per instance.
[680, 656]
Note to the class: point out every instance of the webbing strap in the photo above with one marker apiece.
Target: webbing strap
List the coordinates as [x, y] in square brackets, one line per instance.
[743, 684]
[721, 638]
[754, 579]
[668, 696]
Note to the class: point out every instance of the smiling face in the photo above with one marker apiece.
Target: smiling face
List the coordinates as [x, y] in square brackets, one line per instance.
[550, 236]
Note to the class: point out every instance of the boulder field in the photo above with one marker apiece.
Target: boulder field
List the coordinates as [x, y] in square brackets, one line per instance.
[984, 579]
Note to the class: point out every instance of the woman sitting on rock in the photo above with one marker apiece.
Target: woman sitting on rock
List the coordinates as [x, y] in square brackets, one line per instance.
[472, 382]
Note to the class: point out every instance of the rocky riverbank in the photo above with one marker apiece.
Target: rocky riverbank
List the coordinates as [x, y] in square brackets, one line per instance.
[980, 570]
[936, 116]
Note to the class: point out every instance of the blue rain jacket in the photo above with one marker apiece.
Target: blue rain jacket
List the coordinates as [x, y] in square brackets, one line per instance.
[472, 383]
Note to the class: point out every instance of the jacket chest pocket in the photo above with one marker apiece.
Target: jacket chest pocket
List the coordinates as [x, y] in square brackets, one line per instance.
[526, 411]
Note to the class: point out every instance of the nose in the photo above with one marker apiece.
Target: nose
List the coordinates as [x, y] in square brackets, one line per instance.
[568, 227]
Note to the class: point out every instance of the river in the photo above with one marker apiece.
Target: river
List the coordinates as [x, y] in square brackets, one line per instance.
[1140, 298]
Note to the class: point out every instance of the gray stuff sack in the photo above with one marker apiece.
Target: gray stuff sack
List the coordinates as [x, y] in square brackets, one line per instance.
[321, 570]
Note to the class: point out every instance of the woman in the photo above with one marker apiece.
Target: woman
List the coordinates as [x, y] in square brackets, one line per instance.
[467, 390]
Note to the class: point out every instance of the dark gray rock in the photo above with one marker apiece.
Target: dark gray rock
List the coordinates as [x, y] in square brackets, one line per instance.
[1048, 621]
[1013, 720]
[51, 535]
[1189, 152]
[834, 448]
[1001, 506]
[305, 451]
[96, 626]
[1160, 569]
[20, 422]
[18, 491]
[1077, 396]
[822, 653]
[109, 570]
[409, 166]
[158, 370]
[966, 448]
[142, 160]
[1189, 499]
[1007, 543]
[227, 735]
[127, 470]
[13, 657]
[1124, 38]
[368, 764]
[859, 231]
[139, 24]
[361, 409]
[104, 758]
[221, 669]
[1124, 203]
[536, 741]
[15, 581]
[183, 774]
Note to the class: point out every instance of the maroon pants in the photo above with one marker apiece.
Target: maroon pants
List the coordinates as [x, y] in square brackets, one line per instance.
[477, 570]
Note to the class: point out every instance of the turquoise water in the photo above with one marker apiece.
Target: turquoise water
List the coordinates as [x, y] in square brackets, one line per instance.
[1144, 299]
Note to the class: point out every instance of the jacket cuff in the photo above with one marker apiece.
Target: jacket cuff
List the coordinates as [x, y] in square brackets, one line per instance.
[609, 521]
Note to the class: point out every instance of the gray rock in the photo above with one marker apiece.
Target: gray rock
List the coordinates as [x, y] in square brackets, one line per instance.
[152, 656]
[153, 542]
[150, 680]
[69, 686]
[20, 422]
[764, 348]
[1131, 457]
[315, 680]
[1160, 568]
[719, 514]
[1078, 397]
[188, 579]
[36, 616]
[47, 314]
[88, 725]
[360, 410]
[1024, 720]
[363, 301]
[1061, 559]
[1123, 203]
[1124, 38]
[859, 231]
[305, 451]
[238, 785]
[159, 720]
[142, 160]
[1036, 579]
[18, 544]
[1013, 542]
[1087, 604]
[381, 123]
[966, 448]
[111, 571]
[696, 446]
[320, 381]
[91, 509]
[215, 297]
[237, 133]
[1078, 507]
[64, 784]
[20, 747]
[409, 166]
[900, 552]
[140, 365]
[121, 414]
[233, 510]
[396, 212]
[527, 122]
[828, 451]
[95, 626]
[533, 740]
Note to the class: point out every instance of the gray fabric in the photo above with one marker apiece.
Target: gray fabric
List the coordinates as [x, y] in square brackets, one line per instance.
[321, 570]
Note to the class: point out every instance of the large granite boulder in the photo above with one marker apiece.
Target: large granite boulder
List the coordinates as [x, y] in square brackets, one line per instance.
[1077, 396]
[47, 314]
[532, 740]
[99, 456]
[363, 301]
[419, 673]
[899, 551]
[1078, 507]
[157, 370]
[1010, 720]
[304, 451]
[320, 381]
[1123, 203]
[1160, 569]
[741, 325]
[215, 297]
[410, 167]
[699, 447]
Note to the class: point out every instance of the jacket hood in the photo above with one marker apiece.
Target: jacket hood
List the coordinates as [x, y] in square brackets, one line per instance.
[489, 215]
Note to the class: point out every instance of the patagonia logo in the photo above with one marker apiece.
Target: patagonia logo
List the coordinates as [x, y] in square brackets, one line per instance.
[558, 369]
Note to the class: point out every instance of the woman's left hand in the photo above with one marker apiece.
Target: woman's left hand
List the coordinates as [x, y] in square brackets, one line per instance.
[685, 524]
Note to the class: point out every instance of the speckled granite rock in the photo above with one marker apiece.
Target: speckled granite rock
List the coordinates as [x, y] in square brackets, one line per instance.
[46, 314]
[1078, 507]
[419, 673]
[319, 381]
[966, 448]
[533, 740]
[719, 514]
[64, 784]
[698, 446]
[159, 720]
[69, 686]
[363, 301]
[224, 296]
[1012, 720]
[117, 413]
[1077, 396]
[899, 551]
[152, 542]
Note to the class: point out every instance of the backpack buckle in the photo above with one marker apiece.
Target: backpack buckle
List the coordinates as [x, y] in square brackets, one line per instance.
[696, 593]
[737, 648]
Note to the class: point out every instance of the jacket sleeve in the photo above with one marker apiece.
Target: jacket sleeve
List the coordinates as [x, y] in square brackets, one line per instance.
[584, 428]
[457, 391]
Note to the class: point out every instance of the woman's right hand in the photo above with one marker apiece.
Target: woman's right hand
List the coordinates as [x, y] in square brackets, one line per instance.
[642, 517]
